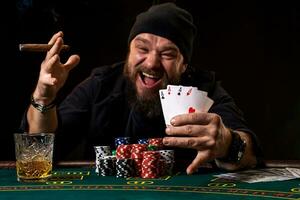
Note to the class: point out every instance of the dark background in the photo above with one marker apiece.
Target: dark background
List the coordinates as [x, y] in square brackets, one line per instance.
[253, 47]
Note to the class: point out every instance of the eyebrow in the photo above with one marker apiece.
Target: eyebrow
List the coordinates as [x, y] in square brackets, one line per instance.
[141, 40]
[168, 47]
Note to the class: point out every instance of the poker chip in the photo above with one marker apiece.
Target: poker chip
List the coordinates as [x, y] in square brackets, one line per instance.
[137, 156]
[152, 148]
[100, 152]
[150, 164]
[123, 151]
[166, 162]
[107, 166]
[156, 142]
[137, 150]
[121, 140]
[142, 141]
[167, 154]
[124, 168]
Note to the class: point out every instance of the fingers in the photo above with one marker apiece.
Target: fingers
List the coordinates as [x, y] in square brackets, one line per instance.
[55, 36]
[192, 118]
[52, 54]
[57, 43]
[55, 49]
[202, 157]
[198, 143]
[187, 130]
[198, 131]
[205, 145]
[72, 62]
[54, 60]
[49, 68]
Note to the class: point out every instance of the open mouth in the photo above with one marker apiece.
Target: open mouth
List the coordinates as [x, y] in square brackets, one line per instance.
[150, 80]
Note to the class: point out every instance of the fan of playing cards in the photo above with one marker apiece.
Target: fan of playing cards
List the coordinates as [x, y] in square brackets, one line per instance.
[177, 99]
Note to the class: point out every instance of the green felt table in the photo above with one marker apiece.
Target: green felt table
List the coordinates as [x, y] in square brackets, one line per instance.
[80, 182]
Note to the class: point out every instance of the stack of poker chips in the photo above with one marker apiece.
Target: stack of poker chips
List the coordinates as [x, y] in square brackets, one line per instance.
[150, 164]
[166, 162]
[137, 156]
[124, 165]
[146, 159]
[104, 160]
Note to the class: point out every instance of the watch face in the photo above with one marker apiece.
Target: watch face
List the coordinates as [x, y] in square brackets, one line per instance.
[241, 151]
[238, 148]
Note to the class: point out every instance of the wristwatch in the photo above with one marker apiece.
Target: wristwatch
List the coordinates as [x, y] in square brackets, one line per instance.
[236, 149]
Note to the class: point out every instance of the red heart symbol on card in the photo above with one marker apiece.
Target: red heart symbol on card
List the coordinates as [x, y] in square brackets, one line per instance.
[192, 110]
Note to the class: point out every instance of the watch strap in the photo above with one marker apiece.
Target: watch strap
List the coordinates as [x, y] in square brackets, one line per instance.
[40, 107]
[236, 149]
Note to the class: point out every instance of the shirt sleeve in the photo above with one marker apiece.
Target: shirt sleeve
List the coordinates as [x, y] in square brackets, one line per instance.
[225, 106]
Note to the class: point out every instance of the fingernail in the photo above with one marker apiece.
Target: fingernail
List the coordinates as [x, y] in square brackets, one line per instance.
[189, 171]
[173, 121]
[168, 130]
[165, 141]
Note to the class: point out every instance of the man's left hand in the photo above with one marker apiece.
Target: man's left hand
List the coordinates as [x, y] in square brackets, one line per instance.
[204, 132]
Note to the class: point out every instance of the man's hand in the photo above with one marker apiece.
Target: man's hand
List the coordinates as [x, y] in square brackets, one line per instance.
[53, 73]
[204, 132]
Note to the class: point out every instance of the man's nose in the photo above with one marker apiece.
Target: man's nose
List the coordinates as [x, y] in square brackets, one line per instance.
[153, 60]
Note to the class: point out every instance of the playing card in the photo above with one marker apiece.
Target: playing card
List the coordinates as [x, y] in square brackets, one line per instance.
[164, 103]
[196, 100]
[170, 101]
[176, 96]
[178, 99]
[193, 100]
[175, 90]
[207, 103]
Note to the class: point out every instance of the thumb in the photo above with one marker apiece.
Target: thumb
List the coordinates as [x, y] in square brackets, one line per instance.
[201, 158]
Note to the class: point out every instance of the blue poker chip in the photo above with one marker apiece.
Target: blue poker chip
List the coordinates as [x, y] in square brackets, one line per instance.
[121, 140]
[142, 141]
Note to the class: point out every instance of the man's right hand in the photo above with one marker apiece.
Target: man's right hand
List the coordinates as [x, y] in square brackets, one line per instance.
[53, 73]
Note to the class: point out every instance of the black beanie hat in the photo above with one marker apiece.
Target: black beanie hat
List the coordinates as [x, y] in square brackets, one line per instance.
[168, 21]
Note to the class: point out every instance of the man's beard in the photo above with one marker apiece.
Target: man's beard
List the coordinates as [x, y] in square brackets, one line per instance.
[149, 102]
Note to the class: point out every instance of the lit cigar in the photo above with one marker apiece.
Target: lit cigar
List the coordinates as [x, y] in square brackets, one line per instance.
[40, 47]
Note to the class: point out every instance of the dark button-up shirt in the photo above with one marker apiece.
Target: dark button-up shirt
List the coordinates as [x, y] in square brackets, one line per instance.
[97, 111]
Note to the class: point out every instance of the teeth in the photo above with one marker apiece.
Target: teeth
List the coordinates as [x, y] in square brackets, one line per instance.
[148, 75]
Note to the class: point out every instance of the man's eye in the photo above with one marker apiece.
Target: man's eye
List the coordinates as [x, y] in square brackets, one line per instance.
[168, 56]
[142, 49]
